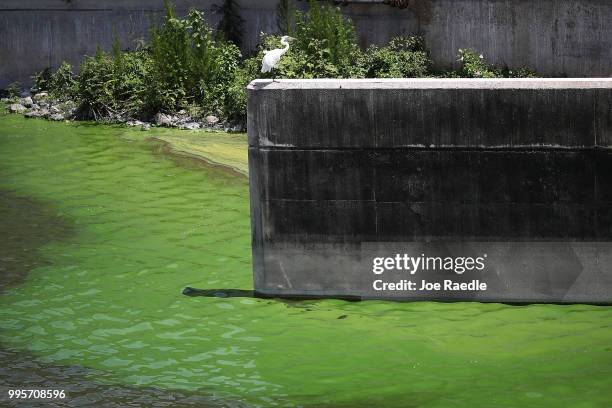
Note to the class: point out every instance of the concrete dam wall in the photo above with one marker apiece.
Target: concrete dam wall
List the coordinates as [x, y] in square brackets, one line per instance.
[570, 38]
[489, 190]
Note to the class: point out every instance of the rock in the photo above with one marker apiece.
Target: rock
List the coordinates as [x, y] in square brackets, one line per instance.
[27, 102]
[56, 116]
[32, 114]
[55, 109]
[68, 105]
[190, 126]
[36, 112]
[114, 118]
[145, 126]
[17, 108]
[4, 100]
[40, 96]
[161, 119]
[181, 118]
[212, 120]
[134, 123]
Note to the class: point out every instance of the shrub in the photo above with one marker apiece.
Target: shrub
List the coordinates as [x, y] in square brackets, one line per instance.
[115, 84]
[235, 98]
[63, 82]
[41, 80]
[12, 91]
[519, 73]
[404, 57]
[96, 85]
[189, 65]
[473, 65]
[294, 64]
[325, 45]
[60, 84]
[323, 30]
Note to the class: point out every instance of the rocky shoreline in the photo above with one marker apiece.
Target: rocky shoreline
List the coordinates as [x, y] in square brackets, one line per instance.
[44, 106]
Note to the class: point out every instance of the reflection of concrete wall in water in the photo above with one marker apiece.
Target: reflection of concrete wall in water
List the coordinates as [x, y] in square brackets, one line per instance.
[515, 171]
[555, 37]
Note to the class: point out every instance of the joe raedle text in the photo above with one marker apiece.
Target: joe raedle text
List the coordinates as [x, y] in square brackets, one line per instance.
[411, 265]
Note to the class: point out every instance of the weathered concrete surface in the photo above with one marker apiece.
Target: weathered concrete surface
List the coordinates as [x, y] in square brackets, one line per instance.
[520, 170]
[554, 37]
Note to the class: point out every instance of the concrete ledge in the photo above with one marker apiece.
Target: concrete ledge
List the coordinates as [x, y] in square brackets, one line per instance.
[431, 113]
[433, 83]
[518, 172]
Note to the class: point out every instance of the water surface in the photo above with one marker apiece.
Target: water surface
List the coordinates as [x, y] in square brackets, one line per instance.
[99, 234]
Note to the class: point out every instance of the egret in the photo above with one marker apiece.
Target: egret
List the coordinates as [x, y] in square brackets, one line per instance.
[272, 58]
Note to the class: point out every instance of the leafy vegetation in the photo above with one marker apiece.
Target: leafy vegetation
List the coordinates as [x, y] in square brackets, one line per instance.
[186, 66]
[190, 66]
[61, 83]
[473, 65]
[11, 92]
[326, 41]
[404, 57]
[114, 85]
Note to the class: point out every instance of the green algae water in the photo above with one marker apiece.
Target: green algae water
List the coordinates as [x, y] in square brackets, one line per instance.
[100, 233]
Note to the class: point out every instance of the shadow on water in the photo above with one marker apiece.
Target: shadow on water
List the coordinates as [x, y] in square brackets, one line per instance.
[219, 293]
[22, 371]
[229, 293]
[241, 293]
[26, 225]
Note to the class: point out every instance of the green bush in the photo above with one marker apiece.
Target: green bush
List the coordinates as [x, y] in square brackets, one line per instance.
[115, 84]
[473, 65]
[189, 65]
[12, 91]
[235, 98]
[325, 45]
[60, 84]
[404, 57]
[63, 82]
[41, 80]
[327, 38]
[183, 67]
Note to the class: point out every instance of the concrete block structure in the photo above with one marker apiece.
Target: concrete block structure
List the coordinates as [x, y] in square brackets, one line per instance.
[514, 174]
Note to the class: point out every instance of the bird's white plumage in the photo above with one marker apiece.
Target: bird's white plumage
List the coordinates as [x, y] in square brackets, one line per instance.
[272, 58]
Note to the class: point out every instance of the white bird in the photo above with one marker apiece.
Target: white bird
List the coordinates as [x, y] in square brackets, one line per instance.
[271, 58]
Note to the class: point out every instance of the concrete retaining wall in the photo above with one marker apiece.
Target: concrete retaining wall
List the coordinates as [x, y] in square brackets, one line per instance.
[555, 37]
[517, 173]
